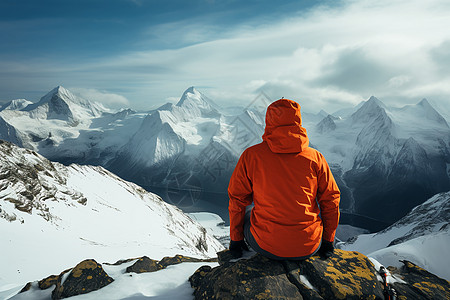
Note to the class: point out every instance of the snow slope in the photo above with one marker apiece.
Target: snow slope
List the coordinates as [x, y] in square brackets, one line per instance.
[53, 216]
[169, 283]
[422, 236]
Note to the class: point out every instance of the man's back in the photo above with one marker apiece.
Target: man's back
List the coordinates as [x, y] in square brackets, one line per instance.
[284, 177]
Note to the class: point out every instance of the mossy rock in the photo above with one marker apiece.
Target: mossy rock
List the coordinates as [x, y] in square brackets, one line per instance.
[255, 278]
[345, 275]
[86, 277]
[421, 284]
[143, 265]
[49, 281]
[178, 259]
[146, 264]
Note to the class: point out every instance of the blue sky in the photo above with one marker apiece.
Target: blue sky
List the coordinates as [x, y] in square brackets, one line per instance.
[143, 53]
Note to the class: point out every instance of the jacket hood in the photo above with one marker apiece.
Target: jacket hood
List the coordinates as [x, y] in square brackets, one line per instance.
[284, 132]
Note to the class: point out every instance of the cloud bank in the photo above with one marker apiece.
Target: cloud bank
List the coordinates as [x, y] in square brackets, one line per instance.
[108, 99]
[326, 57]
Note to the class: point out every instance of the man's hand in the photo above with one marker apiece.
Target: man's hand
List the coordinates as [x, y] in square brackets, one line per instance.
[236, 248]
[326, 249]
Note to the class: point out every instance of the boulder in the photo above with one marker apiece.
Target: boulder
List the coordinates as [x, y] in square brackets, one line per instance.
[86, 277]
[345, 275]
[143, 265]
[89, 276]
[255, 278]
[178, 259]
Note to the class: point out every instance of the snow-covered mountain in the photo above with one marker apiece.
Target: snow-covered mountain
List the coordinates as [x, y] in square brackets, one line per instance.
[422, 236]
[16, 104]
[386, 160]
[52, 216]
[61, 104]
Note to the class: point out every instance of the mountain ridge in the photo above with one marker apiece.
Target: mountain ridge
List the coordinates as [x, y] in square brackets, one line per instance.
[195, 145]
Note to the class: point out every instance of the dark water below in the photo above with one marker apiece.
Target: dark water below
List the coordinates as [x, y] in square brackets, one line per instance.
[200, 201]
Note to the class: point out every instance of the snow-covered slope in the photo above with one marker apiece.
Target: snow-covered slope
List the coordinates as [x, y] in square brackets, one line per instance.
[53, 216]
[422, 236]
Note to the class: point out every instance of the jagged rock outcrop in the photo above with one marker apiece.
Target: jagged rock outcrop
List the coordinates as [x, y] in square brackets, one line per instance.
[346, 275]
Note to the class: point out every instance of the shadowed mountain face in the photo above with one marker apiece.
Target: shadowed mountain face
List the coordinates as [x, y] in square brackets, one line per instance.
[385, 160]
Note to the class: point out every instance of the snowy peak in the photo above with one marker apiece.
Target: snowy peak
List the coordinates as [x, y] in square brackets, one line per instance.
[370, 110]
[323, 113]
[376, 101]
[191, 95]
[326, 125]
[430, 113]
[196, 104]
[422, 112]
[16, 104]
[59, 92]
[61, 104]
[154, 142]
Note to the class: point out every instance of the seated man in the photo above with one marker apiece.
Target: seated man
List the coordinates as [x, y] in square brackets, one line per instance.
[295, 196]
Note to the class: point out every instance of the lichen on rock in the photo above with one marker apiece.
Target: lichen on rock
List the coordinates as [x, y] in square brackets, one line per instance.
[86, 277]
[345, 275]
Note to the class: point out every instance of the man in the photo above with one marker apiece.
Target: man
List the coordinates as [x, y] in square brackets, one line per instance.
[295, 196]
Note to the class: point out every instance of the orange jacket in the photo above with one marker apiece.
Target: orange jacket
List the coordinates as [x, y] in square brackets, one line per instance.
[290, 185]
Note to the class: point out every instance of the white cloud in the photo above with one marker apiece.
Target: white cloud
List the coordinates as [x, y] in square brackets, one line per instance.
[327, 57]
[330, 56]
[108, 99]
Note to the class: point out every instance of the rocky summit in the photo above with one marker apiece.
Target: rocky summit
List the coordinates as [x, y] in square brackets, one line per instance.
[345, 275]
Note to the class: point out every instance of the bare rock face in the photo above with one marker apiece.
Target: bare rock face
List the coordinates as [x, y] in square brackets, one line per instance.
[86, 277]
[345, 275]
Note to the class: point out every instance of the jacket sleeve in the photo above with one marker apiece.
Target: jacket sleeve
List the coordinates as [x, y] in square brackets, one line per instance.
[328, 197]
[240, 192]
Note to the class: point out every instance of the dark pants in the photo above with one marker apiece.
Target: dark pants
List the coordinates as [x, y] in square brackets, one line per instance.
[254, 245]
